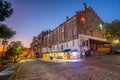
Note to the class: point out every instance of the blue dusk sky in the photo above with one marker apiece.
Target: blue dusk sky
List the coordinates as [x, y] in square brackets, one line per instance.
[30, 17]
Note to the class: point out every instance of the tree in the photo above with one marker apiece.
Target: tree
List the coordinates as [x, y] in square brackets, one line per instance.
[113, 30]
[5, 10]
[15, 44]
[5, 33]
[14, 50]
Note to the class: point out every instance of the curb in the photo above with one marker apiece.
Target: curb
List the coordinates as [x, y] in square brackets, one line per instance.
[12, 77]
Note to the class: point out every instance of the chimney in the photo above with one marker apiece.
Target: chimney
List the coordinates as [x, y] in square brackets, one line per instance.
[77, 12]
[67, 18]
[84, 5]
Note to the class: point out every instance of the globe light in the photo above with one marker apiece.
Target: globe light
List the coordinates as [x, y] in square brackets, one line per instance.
[82, 20]
[101, 26]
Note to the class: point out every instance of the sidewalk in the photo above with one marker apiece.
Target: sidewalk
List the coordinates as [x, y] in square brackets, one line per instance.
[10, 71]
[61, 60]
[91, 58]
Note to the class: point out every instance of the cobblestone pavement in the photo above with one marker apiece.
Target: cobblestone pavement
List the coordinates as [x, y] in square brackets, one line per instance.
[80, 70]
[111, 62]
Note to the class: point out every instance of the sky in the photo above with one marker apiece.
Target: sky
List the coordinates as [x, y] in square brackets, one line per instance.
[30, 17]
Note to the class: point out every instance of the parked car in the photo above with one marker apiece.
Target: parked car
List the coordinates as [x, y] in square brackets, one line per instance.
[116, 51]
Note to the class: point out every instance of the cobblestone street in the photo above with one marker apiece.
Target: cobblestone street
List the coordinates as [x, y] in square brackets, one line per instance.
[92, 68]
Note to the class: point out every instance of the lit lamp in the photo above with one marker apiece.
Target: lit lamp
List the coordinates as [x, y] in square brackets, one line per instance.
[116, 41]
[82, 20]
[101, 26]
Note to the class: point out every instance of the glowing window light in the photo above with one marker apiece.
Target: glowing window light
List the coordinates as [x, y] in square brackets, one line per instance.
[74, 53]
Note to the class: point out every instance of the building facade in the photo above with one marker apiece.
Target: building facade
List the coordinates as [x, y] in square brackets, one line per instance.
[81, 35]
[37, 44]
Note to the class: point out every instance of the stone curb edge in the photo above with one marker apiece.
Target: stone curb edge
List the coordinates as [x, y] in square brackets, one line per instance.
[12, 77]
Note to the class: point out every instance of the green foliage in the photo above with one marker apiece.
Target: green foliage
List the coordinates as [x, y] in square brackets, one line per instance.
[5, 32]
[14, 51]
[5, 10]
[18, 50]
[113, 28]
[113, 31]
[14, 48]
[15, 44]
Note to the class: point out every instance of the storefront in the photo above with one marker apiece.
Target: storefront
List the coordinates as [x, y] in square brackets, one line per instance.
[71, 54]
[46, 55]
[75, 54]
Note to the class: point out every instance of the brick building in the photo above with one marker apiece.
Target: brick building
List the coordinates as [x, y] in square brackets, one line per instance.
[82, 34]
[37, 44]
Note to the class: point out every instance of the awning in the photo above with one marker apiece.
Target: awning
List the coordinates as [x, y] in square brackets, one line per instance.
[74, 50]
[98, 41]
[67, 50]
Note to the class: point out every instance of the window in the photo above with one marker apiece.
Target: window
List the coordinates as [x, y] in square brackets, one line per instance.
[84, 31]
[73, 22]
[62, 29]
[90, 23]
[53, 47]
[73, 32]
[91, 33]
[96, 25]
[86, 42]
[66, 34]
[83, 43]
[92, 17]
[62, 37]
[56, 35]
[57, 47]
[67, 45]
[61, 47]
[67, 25]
